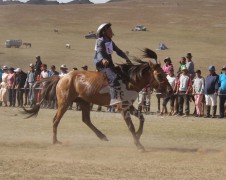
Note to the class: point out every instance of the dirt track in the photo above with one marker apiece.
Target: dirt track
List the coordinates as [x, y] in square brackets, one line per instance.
[176, 148]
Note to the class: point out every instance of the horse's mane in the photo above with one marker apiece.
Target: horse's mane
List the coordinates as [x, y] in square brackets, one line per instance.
[134, 72]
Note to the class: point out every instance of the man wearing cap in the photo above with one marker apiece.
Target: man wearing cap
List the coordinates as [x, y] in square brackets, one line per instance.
[19, 84]
[103, 59]
[190, 65]
[222, 92]
[184, 85]
[211, 89]
[53, 71]
[30, 81]
[63, 69]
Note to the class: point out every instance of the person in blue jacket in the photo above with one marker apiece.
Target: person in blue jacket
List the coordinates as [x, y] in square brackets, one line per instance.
[103, 59]
[211, 90]
[222, 91]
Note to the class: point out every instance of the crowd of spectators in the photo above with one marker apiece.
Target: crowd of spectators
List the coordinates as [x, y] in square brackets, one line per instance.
[17, 88]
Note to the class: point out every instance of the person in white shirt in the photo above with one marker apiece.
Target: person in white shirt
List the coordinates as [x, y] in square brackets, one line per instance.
[45, 72]
[63, 69]
[184, 85]
[198, 92]
[172, 79]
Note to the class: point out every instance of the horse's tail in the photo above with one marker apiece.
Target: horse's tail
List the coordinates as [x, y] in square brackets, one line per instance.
[48, 93]
[148, 53]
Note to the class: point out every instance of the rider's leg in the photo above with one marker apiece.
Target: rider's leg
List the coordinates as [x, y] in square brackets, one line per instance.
[114, 86]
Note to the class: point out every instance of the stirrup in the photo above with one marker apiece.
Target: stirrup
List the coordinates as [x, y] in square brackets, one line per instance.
[115, 102]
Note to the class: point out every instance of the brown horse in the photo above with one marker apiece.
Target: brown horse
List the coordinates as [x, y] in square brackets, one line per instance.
[27, 44]
[92, 87]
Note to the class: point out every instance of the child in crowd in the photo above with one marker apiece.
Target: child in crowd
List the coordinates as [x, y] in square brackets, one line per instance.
[198, 92]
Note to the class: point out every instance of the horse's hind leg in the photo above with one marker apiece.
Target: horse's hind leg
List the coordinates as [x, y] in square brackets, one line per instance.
[140, 116]
[129, 123]
[85, 107]
[62, 108]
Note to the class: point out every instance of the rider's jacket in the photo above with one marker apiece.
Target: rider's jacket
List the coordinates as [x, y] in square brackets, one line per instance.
[103, 50]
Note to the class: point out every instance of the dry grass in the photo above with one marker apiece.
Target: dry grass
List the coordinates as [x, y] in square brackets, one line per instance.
[177, 148]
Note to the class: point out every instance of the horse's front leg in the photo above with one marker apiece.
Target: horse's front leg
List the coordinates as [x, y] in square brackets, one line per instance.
[140, 116]
[129, 123]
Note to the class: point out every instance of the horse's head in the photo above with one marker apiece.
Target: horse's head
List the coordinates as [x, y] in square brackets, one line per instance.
[158, 79]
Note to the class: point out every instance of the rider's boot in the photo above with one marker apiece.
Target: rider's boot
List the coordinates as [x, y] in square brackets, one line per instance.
[115, 96]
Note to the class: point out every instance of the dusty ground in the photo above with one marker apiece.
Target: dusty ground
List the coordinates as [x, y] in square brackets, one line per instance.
[177, 148]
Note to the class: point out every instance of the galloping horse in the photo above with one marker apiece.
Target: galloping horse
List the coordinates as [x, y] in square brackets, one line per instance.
[92, 87]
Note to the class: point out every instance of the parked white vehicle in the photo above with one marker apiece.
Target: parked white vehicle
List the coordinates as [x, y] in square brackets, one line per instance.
[13, 43]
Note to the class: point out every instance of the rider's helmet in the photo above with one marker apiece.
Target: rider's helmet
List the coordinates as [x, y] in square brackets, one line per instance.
[102, 28]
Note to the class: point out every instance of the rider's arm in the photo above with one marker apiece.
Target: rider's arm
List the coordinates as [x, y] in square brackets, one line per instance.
[119, 52]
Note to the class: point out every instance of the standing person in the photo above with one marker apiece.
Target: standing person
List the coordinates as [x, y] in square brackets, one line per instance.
[44, 74]
[167, 66]
[222, 92]
[53, 71]
[37, 66]
[198, 91]
[30, 81]
[103, 60]
[144, 99]
[184, 85]
[182, 62]
[211, 89]
[190, 65]
[3, 90]
[63, 69]
[1, 72]
[19, 84]
[11, 87]
[172, 79]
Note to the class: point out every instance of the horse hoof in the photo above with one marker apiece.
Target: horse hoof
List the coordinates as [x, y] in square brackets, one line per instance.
[57, 142]
[141, 148]
[104, 139]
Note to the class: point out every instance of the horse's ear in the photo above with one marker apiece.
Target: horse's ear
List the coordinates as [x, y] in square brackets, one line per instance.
[158, 62]
[151, 65]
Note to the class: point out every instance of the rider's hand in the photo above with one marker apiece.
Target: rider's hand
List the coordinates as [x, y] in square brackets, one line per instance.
[105, 62]
[128, 62]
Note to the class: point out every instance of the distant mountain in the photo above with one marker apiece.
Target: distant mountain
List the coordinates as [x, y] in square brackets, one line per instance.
[79, 2]
[8, 2]
[43, 2]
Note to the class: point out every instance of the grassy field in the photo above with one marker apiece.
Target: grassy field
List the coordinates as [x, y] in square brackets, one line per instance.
[177, 148]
